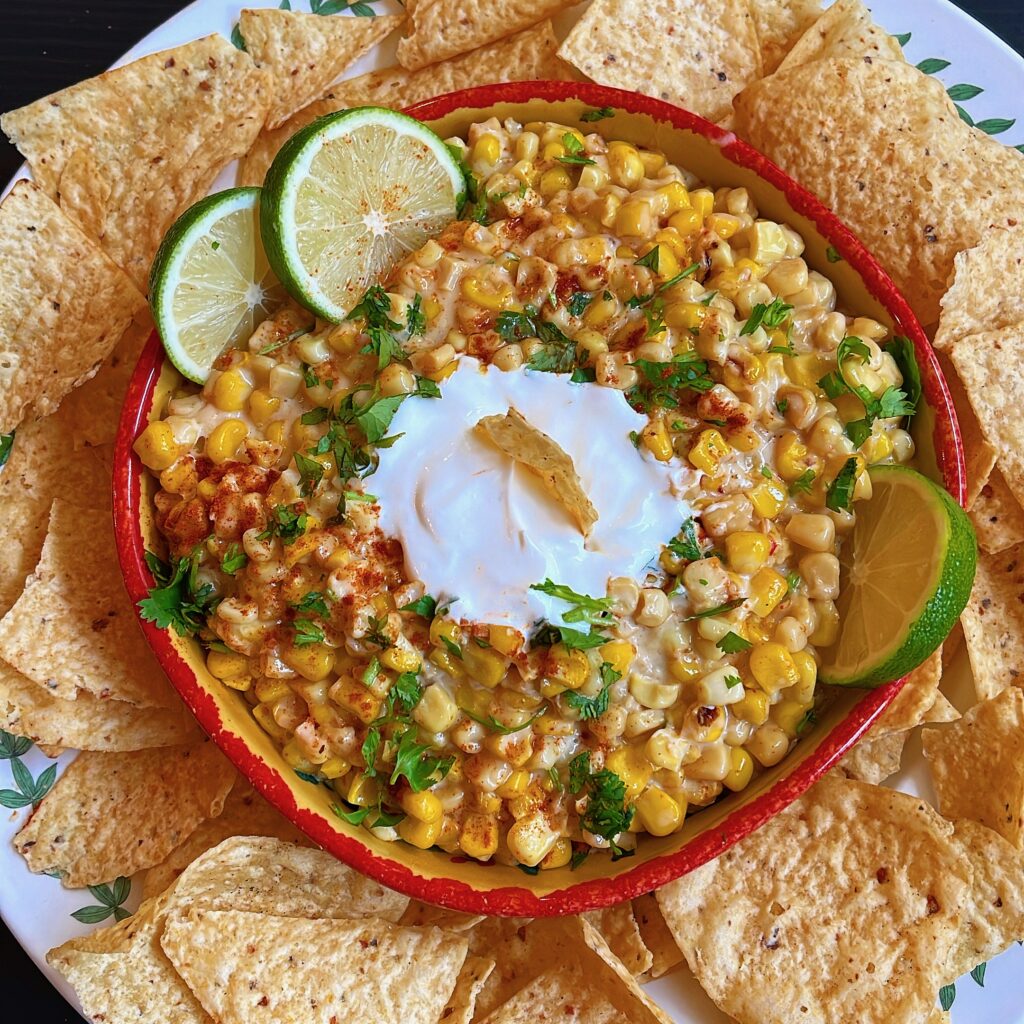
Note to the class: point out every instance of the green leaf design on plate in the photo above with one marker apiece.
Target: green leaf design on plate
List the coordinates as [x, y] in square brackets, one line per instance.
[29, 791]
[964, 92]
[932, 65]
[995, 125]
[978, 974]
[236, 37]
[13, 746]
[946, 996]
[110, 896]
[6, 443]
[964, 116]
[903, 38]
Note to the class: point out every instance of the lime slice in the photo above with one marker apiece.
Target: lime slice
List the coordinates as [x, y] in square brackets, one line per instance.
[211, 284]
[347, 197]
[906, 576]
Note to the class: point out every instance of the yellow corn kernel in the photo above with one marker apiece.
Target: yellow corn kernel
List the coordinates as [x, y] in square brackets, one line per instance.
[753, 708]
[362, 791]
[179, 477]
[826, 632]
[487, 803]
[807, 667]
[768, 499]
[773, 667]
[156, 446]
[618, 654]
[757, 631]
[265, 716]
[627, 169]
[747, 551]
[600, 312]
[767, 589]
[447, 662]
[569, 668]
[436, 710]
[687, 222]
[687, 316]
[554, 181]
[652, 161]
[476, 291]
[703, 200]
[677, 197]
[708, 450]
[422, 806]
[486, 150]
[559, 855]
[634, 219]
[479, 836]
[275, 432]
[876, 448]
[593, 177]
[243, 684]
[788, 714]
[741, 770]
[225, 664]
[806, 370]
[659, 813]
[231, 391]
[849, 407]
[684, 666]
[668, 265]
[400, 659]
[552, 151]
[746, 439]
[670, 239]
[263, 407]
[657, 441]
[530, 839]
[632, 767]
[422, 834]
[270, 690]
[334, 768]
[295, 758]
[447, 628]
[791, 457]
[301, 547]
[504, 639]
[223, 442]
[515, 785]
[352, 695]
[485, 665]
[725, 225]
[549, 688]
[207, 489]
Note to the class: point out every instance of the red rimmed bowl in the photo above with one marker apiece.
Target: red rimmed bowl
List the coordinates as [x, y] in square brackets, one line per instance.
[718, 158]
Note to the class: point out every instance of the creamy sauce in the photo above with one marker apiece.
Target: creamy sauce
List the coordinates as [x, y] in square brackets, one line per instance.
[479, 527]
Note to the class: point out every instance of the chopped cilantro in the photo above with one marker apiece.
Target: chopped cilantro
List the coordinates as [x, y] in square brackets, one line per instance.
[594, 707]
[421, 769]
[6, 444]
[803, 483]
[314, 416]
[793, 581]
[720, 609]
[287, 522]
[782, 404]
[832, 254]
[768, 315]
[424, 606]
[597, 115]
[234, 559]
[546, 635]
[840, 491]
[311, 473]
[731, 681]
[661, 382]
[573, 150]
[606, 813]
[415, 321]
[767, 473]
[902, 351]
[558, 353]
[733, 643]
[453, 648]
[314, 601]
[375, 632]
[651, 260]
[407, 691]
[592, 610]
[578, 303]
[684, 544]
[491, 723]
[556, 779]
[307, 632]
[178, 600]
[806, 723]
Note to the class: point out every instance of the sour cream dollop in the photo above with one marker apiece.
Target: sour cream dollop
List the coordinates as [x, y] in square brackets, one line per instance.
[480, 527]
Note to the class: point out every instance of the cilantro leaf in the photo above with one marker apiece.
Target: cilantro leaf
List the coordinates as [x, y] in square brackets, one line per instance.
[840, 492]
[684, 544]
[832, 254]
[803, 483]
[490, 722]
[574, 150]
[719, 610]
[651, 260]
[6, 444]
[307, 632]
[594, 707]
[314, 601]
[384, 345]
[421, 769]
[547, 635]
[407, 691]
[375, 417]
[179, 600]
[234, 559]
[733, 643]
[768, 315]
[453, 648]
[578, 303]
[288, 522]
[375, 308]
[597, 115]
[661, 382]
[902, 351]
[311, 473]
[606, 813]
[424, 606]
[415, 320]
[579, 771]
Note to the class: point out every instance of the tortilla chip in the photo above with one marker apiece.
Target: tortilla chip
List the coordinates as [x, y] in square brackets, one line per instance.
[131, 149]
[305, 53]
[779, 24]
[844, 30]
[911, 704]
[442, 29]
[521, 58]
[991, 369]
[91, 413]
[979, 299]
[997, 516]
[977, 765]
[874, 760]
[693, 54]
[818, 917]
[994, 913]
[461, 1006]
[993, 622]
[656, 935]
[88, 722]
[73, 628]
[245, 968]
[40, 468]
[927, 188]
[618, 927]
[419, 915]
[941, 711]
[115, 814]
[245, 813]
[63, 306]
[533, 449]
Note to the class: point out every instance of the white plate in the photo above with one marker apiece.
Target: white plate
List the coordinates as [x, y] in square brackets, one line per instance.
[37, 909]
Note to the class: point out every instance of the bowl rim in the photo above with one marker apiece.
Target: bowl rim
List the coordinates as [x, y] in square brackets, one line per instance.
[658, 871]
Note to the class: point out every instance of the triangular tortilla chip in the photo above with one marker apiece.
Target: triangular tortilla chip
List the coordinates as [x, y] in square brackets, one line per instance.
[442, 29]
[656, 935]
[73, 628]
[943, 185]
[997, 516]
[977, 765]
[63, 305]
[524, 57]
[131, 149]
[88, 722]
[618, 927]
[533, 449]
[779, 24]
[461, 1006]
[844, 30]
[245, 968]
[844, 908]
[306, 52]
[691, 53]
[910, 705]
[115, 814]
[874, 760]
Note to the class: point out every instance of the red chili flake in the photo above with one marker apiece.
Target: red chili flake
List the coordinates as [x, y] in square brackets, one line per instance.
[933, 905]
[882, 875]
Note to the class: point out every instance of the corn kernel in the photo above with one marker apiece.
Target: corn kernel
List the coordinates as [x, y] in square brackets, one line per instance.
[684, 666]
[703, 200]
[447, 662]
[708, 450]
[225, 664]
[627, 169]
[659, 813]
[806, 370]
[807, 667]
[334, 768]
[747, 551]
[876, 448]
[223, 442]
[504, 639]
[634, 219]
[302, 547]
[485, 665]
[559, 855]
[677, 197]
[263, 407]
[436, 710]
[423, 806]
[656, 440]
[295, 758]
[479, 836]
[487, 150]
[356, 698]
[568, 668]
[768, 499]
[554, 181]
[156, 446]
[515, 785]
[362, 791]
[231, 391]
[826, 632]
[788, 714]
[746, 439]
[741, 770]
[490, 298]
[773, 667]
[687, 222]
[849, 407]
[270, 690]
[767, 589]
[207, 489]
[632, 767]
[400, 659]
[243, 684]
[725, 225]
[618, 654]
[421, 834]
[265, 716]
[753, 708]
[530, 839]
[791, 457]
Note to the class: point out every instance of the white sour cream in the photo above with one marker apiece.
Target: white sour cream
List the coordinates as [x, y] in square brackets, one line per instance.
[481, 528]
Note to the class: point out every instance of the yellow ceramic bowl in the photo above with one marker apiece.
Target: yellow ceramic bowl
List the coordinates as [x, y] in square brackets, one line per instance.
[718, 158]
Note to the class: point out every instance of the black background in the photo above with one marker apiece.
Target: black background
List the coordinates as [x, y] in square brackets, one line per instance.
[45, 46]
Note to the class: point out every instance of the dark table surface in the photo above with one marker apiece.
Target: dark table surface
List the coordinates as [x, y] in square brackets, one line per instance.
[46, 46]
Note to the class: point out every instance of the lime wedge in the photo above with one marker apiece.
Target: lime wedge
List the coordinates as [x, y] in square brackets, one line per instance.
[211, 284]
[347, 197]
[906, 575]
